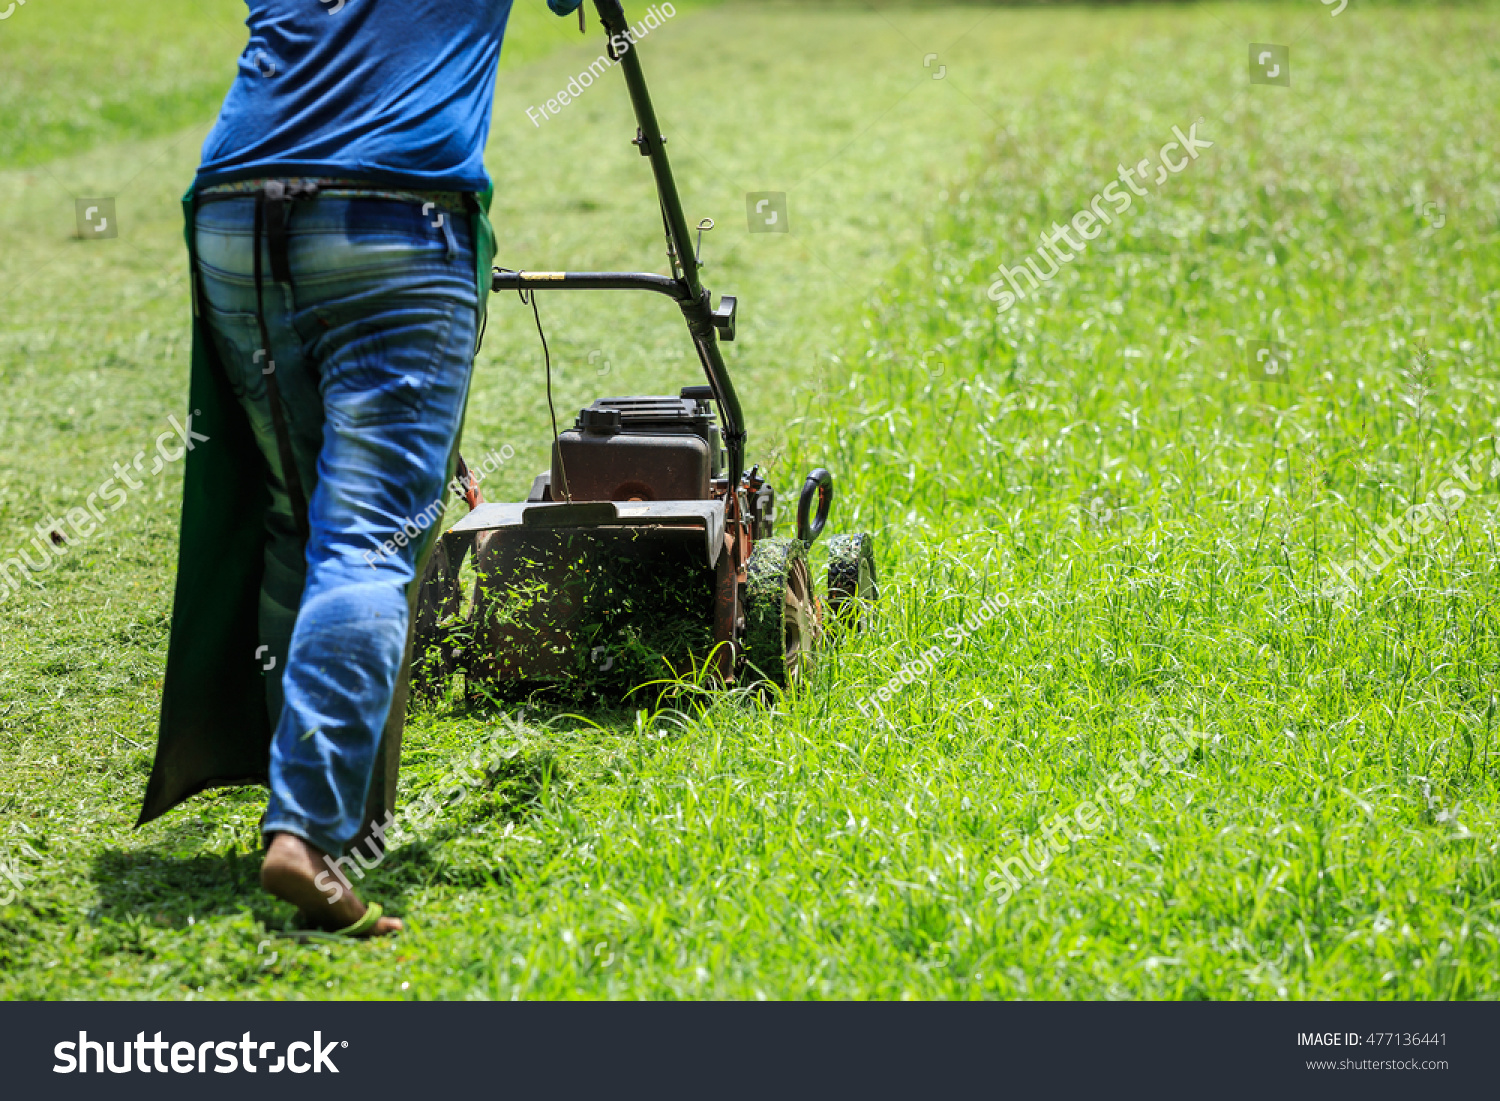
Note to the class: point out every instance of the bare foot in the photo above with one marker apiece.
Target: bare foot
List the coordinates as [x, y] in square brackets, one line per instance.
[290, 873]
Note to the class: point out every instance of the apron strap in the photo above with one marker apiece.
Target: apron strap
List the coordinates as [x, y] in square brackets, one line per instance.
[293, 478]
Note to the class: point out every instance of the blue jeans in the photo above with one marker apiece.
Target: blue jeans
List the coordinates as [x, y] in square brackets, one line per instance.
[372, 346]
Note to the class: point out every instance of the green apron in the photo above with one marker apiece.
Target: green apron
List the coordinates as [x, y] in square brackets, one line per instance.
[215, 729]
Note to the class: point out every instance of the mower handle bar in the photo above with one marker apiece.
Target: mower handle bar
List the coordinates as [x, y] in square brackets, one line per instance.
[704, 323]
[507, 280]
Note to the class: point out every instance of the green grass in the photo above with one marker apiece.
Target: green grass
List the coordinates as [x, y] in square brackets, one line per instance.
[1159, 520]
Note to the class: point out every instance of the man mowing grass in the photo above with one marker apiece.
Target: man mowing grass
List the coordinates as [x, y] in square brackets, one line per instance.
[340, 250]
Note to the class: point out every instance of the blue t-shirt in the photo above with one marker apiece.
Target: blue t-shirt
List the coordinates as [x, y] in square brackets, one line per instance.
[391, 91]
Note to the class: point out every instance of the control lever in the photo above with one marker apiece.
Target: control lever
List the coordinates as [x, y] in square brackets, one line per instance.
[724, 318]
[706, 224]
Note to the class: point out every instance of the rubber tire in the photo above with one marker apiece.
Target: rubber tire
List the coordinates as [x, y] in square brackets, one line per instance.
[853, 583]
[780, 612]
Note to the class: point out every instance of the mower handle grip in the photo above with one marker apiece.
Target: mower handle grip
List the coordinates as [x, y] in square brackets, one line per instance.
[819, 482]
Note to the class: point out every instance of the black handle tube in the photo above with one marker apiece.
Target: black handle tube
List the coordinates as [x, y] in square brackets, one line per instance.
[612, 15]
[503, 279]
[696, 305]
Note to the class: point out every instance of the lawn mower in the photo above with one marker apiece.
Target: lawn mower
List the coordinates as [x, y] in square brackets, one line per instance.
[646, 547]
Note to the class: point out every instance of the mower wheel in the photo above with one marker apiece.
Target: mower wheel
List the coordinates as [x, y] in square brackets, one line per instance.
[852, 583]
[781, 614]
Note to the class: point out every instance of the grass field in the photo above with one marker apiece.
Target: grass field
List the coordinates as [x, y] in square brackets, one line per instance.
[1312, 775]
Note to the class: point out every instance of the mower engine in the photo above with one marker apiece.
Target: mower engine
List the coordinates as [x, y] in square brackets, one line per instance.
[638, 449]
[617, 569]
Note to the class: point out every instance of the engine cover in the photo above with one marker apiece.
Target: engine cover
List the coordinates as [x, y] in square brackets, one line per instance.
[638, 449]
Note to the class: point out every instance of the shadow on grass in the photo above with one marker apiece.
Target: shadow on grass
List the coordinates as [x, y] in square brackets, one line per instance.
[161, 888]
[542, 703]
[157, 886]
